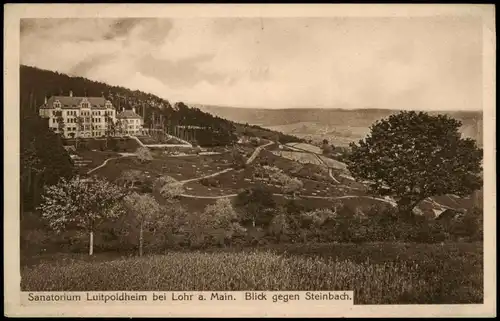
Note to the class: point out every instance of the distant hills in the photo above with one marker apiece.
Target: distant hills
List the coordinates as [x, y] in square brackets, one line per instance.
[340, 126]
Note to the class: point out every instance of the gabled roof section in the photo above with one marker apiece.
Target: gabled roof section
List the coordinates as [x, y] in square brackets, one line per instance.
[74, 102]
[128, 114]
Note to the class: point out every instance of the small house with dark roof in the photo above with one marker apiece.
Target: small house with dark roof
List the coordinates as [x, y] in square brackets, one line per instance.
[74, 116]
[130, 122]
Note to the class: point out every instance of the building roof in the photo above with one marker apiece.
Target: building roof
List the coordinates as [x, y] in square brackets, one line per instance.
[447, 214]
[74, 102]
[128, 114]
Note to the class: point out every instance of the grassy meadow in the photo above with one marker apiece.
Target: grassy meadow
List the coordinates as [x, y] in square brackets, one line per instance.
[378, 273]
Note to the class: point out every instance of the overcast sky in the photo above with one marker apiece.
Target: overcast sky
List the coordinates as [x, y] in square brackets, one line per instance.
[395, 63]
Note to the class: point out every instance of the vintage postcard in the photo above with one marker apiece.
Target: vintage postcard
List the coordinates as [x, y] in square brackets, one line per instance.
[249, 160]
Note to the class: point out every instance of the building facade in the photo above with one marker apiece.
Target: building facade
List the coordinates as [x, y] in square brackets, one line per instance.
[88, 117]
[130, 123]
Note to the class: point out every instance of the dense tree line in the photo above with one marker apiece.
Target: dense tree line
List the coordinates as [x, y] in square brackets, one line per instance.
[43, 158]
[150, 222]
[260, 132]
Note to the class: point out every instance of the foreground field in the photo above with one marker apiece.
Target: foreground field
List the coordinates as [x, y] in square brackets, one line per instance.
[409, 273]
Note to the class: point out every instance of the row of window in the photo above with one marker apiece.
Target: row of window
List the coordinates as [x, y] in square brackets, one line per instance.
[83, 113]
[85, 120]
[84, 127]
[57, 104]
[88, 134]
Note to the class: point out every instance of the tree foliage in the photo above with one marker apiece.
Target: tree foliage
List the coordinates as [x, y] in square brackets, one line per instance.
[144, 154]
[145, 209]
[238, 160]
[144, 206]
[129, 178]
[80, 203]
[292, 186]
[220, 220]
[279, 225]
[168, 187]
[43, 158]
[221, 214]
[327, 149]
[289, 185]
[412, 156]
[257, 205]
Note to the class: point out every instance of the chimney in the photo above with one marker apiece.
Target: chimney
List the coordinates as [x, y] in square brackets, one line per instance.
[71, 93]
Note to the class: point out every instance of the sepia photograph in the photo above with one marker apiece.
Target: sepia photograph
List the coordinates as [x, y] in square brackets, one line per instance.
[338, 156]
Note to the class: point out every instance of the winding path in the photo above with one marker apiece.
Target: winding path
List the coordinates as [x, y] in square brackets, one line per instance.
[104, 164]
[257, 151]
[206, 176]
[185, 143]
[254, 155]
[392, 203]
[330, 173]
[252, 158]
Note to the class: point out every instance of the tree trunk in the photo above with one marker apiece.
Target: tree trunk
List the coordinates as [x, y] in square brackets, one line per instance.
[36, 189]
[28, 185]
[141, 238]
[91, 243]
[404, 208]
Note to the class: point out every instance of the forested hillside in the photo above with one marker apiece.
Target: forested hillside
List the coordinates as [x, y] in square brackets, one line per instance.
[36, 84]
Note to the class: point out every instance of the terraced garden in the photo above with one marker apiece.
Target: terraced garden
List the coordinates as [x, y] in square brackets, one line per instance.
[180, 168]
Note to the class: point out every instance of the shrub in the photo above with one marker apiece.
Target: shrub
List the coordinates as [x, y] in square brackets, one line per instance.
[254, 141]
[168, 187]
[220, 221]
[210, 182]
[278, 226]
[172, 191]
[130, 178]
[144, 154]
[238, 160]
[292, 186]
[468, 225]
[256, 205]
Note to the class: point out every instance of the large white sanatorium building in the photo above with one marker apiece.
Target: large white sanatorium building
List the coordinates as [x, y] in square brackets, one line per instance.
[93, 112]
